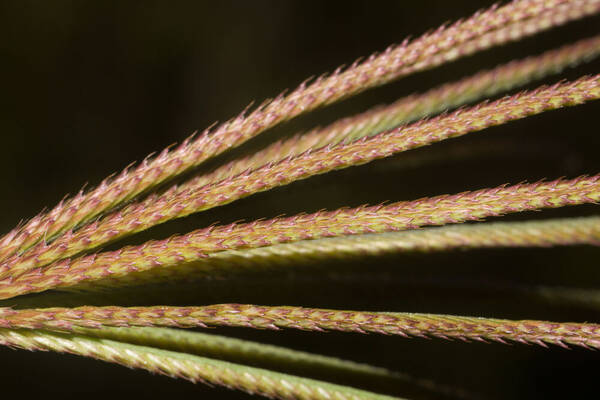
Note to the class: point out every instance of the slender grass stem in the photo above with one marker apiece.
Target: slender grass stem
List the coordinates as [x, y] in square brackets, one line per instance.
[237, 350]
[270, 357]
[186, 366]
[266, 356]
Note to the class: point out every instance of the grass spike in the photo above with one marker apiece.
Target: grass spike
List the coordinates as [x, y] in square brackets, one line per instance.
[442, 45]
[412, 108]
[51, 251]
[546, 233]
[313, 319]
[440, 210]
[152, 212]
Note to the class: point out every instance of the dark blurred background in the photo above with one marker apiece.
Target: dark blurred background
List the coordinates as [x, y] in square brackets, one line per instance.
[89, 87]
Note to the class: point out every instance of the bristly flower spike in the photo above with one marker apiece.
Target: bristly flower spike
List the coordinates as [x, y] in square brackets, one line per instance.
[411, 108]
[49, 251]
[175, 204]
[494, 26]
[440, 210]
[546, 233]
[314, 319]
